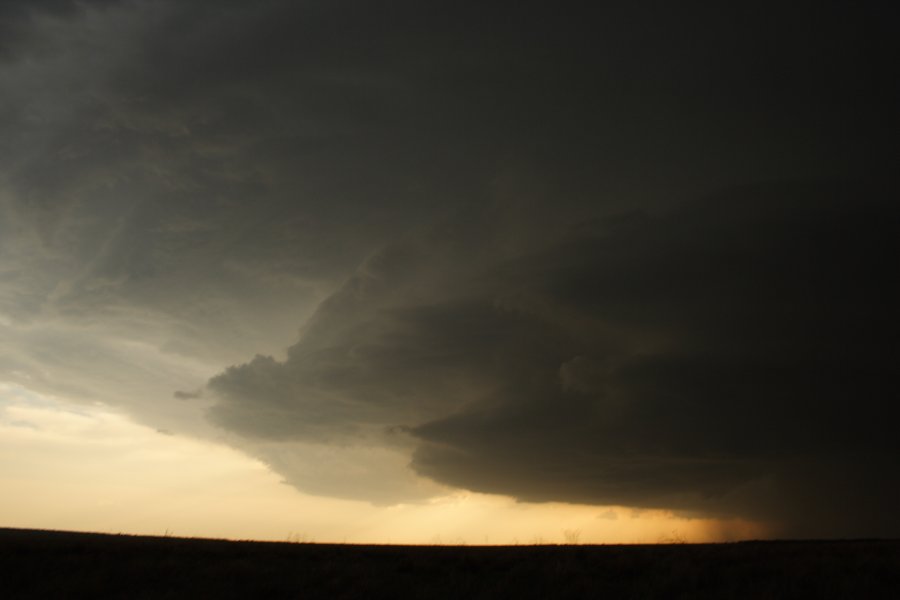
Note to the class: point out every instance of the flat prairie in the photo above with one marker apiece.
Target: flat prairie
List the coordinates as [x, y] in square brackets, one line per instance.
[52, 564]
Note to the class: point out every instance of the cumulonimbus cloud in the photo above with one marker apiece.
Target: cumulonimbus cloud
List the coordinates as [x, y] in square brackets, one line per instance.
[730, 357]
[196, 176]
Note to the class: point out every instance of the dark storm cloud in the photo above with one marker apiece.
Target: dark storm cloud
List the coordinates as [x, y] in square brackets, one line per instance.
[187, 180]
[703, 361]
[758, 377]
[732, 357]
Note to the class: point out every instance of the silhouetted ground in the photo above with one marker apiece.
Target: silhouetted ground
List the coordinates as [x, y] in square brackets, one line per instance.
[44, 564]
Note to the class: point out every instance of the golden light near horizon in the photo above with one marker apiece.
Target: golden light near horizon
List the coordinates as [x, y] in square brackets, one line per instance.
[75, 467]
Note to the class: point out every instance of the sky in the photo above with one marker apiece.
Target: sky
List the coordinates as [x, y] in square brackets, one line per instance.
[444, 272]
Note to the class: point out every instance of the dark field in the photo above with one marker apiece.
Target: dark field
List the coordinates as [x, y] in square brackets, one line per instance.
[41, 564]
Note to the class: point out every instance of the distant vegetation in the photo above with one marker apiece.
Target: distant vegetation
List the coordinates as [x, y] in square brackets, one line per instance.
[39, 564]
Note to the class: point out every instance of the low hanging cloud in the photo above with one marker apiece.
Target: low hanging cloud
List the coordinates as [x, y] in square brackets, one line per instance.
[730, 357]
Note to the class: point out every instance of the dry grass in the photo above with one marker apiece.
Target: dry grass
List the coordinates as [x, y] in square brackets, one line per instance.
[68, 565]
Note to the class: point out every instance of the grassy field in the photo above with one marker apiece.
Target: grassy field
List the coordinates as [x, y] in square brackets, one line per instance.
[43, 564]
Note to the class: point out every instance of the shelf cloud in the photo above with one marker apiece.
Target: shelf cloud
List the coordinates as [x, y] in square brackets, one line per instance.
[730, 357]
